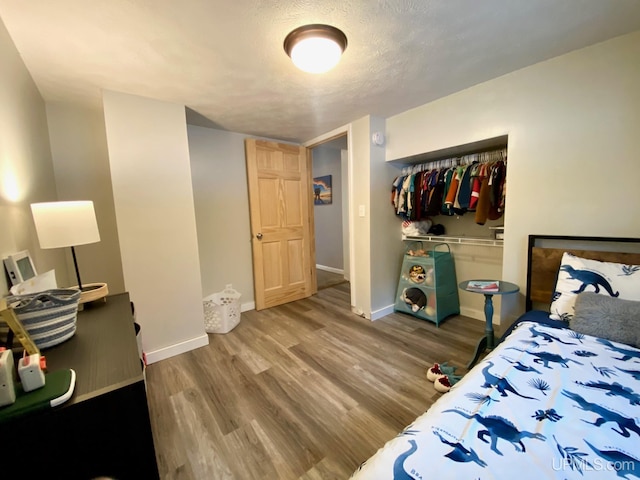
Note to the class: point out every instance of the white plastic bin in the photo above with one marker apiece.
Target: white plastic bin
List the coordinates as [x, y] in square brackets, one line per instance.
[222, 311]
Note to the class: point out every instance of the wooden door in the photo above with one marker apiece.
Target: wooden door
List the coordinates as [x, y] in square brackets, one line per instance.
[280, 203]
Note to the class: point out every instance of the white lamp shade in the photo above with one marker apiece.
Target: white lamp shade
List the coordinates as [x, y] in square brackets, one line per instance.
[65, 224]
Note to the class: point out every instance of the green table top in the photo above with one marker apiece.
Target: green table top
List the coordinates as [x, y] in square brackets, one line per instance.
[58, 385]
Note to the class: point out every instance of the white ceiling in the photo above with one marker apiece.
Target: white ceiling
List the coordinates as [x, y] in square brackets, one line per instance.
[224, 59]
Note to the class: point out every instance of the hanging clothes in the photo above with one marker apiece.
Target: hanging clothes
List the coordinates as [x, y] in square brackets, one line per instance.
[472, 183]
[484, 202]
[461, 204]
[476, 180]
[497, 183]
[434, 202]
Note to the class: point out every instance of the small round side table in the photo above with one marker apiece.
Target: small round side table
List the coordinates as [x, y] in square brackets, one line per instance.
[488, 341]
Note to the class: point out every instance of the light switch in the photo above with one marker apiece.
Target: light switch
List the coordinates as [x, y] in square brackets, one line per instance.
[361, 210]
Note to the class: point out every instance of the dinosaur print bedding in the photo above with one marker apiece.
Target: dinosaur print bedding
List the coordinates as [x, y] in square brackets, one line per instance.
[546, 403]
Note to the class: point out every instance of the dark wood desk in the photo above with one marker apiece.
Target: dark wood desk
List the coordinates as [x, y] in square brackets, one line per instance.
[104, 429]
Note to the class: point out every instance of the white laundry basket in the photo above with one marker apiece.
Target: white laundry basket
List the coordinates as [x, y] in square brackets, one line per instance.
[222, 311]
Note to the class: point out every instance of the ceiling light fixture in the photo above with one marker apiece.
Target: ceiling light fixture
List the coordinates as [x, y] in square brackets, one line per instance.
[315, 48]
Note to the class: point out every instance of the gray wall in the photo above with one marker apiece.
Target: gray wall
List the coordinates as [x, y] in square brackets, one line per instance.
[26, 169]
[328, 218]
[81, 163]
[153, 199]
[221, 200]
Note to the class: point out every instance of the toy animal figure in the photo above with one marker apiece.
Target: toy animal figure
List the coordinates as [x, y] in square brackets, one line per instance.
[417, 274]
[415, 298]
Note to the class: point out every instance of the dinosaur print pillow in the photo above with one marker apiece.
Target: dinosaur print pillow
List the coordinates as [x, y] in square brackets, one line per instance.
[577, 275]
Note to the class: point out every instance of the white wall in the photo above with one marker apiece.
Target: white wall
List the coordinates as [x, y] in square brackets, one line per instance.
[26, 169]
[386, 247]
[81, 163]
[344, 173]
[328, 218]
[219, 176]
[153, 197]
[573, 124]
[360, 175]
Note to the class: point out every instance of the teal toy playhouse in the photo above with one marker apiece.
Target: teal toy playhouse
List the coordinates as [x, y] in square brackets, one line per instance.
[427, 287]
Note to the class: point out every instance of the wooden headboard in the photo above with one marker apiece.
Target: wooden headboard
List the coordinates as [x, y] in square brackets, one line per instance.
[544, 255]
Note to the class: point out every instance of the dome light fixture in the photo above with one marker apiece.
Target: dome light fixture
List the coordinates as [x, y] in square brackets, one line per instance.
[315, 48]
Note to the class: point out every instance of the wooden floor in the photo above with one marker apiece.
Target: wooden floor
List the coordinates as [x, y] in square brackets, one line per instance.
[328, 279]
[306, 390]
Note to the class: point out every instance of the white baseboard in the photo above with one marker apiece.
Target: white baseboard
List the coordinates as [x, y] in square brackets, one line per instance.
[177, 349]
[330, 269]
[475, 313]
[383, 312]
[187, 345]
[467, 312]
[247, 306]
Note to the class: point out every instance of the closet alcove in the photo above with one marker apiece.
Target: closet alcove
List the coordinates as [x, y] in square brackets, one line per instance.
[475, 247]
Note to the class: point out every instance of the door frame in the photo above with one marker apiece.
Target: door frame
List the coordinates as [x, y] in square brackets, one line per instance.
[315, 142]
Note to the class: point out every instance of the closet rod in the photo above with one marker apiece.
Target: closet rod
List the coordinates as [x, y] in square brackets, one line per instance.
[480, 157]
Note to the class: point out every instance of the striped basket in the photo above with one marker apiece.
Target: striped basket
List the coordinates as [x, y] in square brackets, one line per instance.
[49, 317]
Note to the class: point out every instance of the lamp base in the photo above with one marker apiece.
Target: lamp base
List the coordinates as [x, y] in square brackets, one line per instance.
[92, 292]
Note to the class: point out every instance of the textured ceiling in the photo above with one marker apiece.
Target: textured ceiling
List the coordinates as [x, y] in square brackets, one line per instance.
[224, 59]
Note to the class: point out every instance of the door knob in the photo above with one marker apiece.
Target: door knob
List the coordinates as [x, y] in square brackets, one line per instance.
[259, 236]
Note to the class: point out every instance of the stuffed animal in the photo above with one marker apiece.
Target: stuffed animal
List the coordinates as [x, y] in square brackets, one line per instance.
[417, 274]
[415, 298]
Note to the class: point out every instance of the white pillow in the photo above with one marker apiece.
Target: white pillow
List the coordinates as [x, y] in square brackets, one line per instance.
[577, 275]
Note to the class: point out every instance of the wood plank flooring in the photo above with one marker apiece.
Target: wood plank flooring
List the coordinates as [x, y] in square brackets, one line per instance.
[328, 279]
[306, 390]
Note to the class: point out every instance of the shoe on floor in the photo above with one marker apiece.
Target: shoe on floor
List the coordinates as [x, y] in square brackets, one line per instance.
[435, 372]
[438, 370]
[442, 384]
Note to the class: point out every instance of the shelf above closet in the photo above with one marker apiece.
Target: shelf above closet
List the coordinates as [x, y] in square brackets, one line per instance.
[477, 241]
[456, 151]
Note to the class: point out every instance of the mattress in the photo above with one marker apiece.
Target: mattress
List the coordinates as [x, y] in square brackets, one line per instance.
[545, 403]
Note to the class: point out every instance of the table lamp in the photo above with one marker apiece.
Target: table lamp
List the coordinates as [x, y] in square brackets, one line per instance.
[69, 224]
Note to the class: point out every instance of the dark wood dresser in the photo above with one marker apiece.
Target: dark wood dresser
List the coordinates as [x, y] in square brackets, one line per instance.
[104, 429]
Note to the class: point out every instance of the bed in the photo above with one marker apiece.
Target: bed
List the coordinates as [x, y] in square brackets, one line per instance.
[559, 397]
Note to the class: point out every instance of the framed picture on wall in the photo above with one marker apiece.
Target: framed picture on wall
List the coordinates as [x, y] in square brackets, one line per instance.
[322, 190]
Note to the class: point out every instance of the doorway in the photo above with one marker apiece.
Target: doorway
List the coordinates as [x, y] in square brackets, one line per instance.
[330, 175]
